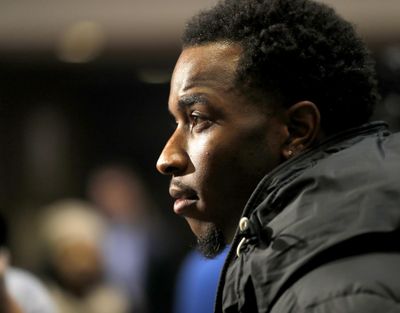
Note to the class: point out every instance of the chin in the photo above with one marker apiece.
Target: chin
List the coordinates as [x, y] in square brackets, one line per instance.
[211, 242]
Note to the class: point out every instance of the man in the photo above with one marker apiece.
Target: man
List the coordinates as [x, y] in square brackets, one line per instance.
[273, 154]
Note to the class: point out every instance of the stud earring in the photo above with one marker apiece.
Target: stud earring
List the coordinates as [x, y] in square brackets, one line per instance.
[290, 153]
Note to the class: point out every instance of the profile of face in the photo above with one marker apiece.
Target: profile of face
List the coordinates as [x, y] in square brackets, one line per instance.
[222, 146]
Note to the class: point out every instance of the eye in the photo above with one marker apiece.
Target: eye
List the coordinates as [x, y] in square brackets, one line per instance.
[195, 120]
[198, 121]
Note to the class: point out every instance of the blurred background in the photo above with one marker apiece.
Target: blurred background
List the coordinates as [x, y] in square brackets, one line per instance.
[83, 90]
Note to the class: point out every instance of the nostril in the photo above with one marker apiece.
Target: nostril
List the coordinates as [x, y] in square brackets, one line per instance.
[162, 167]
[173, 159]
[172, 162]
[169, 170]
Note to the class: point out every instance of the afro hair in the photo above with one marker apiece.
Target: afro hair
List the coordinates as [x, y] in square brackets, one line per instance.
[295, 50]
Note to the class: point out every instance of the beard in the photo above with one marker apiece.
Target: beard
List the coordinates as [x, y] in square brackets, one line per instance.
[211, 243]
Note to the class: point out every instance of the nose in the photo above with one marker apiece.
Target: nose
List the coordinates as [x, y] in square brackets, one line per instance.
[173, 159]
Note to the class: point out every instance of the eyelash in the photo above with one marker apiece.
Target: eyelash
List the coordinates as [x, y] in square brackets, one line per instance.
[198, 122]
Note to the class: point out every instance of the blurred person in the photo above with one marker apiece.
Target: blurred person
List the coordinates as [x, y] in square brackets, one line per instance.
[131, 246]
[274, 153]
[20, 291]
[72, 232]
[29, 293]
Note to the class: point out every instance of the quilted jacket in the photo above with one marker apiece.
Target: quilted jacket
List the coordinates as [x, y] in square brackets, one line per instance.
[321, 232]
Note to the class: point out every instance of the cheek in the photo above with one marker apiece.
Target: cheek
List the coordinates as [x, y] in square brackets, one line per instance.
[211, 161]
[206, 149]
[231, 162]
[220, 157]
[216, 164]
[200, 153]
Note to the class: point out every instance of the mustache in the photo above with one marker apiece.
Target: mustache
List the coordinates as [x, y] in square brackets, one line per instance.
[177, 184]
[178, 189]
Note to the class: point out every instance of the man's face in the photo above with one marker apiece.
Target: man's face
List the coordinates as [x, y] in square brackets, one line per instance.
[222, 145]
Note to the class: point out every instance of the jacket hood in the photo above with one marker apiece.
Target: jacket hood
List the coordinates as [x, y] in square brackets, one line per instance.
[346, 187]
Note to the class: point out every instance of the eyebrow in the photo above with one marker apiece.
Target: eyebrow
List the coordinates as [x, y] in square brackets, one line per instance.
[190, 100]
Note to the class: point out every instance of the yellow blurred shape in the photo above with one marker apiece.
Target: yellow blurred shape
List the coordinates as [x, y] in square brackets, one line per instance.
[81, 42]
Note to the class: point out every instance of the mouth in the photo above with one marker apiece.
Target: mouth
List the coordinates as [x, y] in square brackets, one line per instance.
[181, 205]
[184, 198]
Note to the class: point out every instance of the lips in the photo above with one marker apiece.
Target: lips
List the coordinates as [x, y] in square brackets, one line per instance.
[184, 197]
[181, 205]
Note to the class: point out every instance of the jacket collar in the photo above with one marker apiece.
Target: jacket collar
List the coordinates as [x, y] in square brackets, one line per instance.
[279, 191]
[290, 169]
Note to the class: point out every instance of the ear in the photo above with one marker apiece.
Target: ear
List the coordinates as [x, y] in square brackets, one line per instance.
[303, 125]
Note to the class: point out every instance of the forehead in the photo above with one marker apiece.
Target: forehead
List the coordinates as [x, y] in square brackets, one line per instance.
[207, 65]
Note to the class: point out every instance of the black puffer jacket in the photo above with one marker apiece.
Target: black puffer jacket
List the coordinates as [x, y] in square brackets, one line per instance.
[321, 232]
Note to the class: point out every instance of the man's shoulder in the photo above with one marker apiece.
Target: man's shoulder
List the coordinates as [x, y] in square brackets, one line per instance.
[365, 283]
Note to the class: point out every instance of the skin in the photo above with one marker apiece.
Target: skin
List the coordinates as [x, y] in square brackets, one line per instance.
[223, 143]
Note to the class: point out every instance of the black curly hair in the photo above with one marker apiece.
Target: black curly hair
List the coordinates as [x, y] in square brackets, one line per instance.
[296, 50]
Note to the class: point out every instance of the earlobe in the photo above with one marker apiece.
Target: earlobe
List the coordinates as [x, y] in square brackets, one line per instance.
[303, 124]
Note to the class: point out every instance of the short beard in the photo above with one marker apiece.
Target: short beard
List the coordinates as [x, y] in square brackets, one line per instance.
[212, 243]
